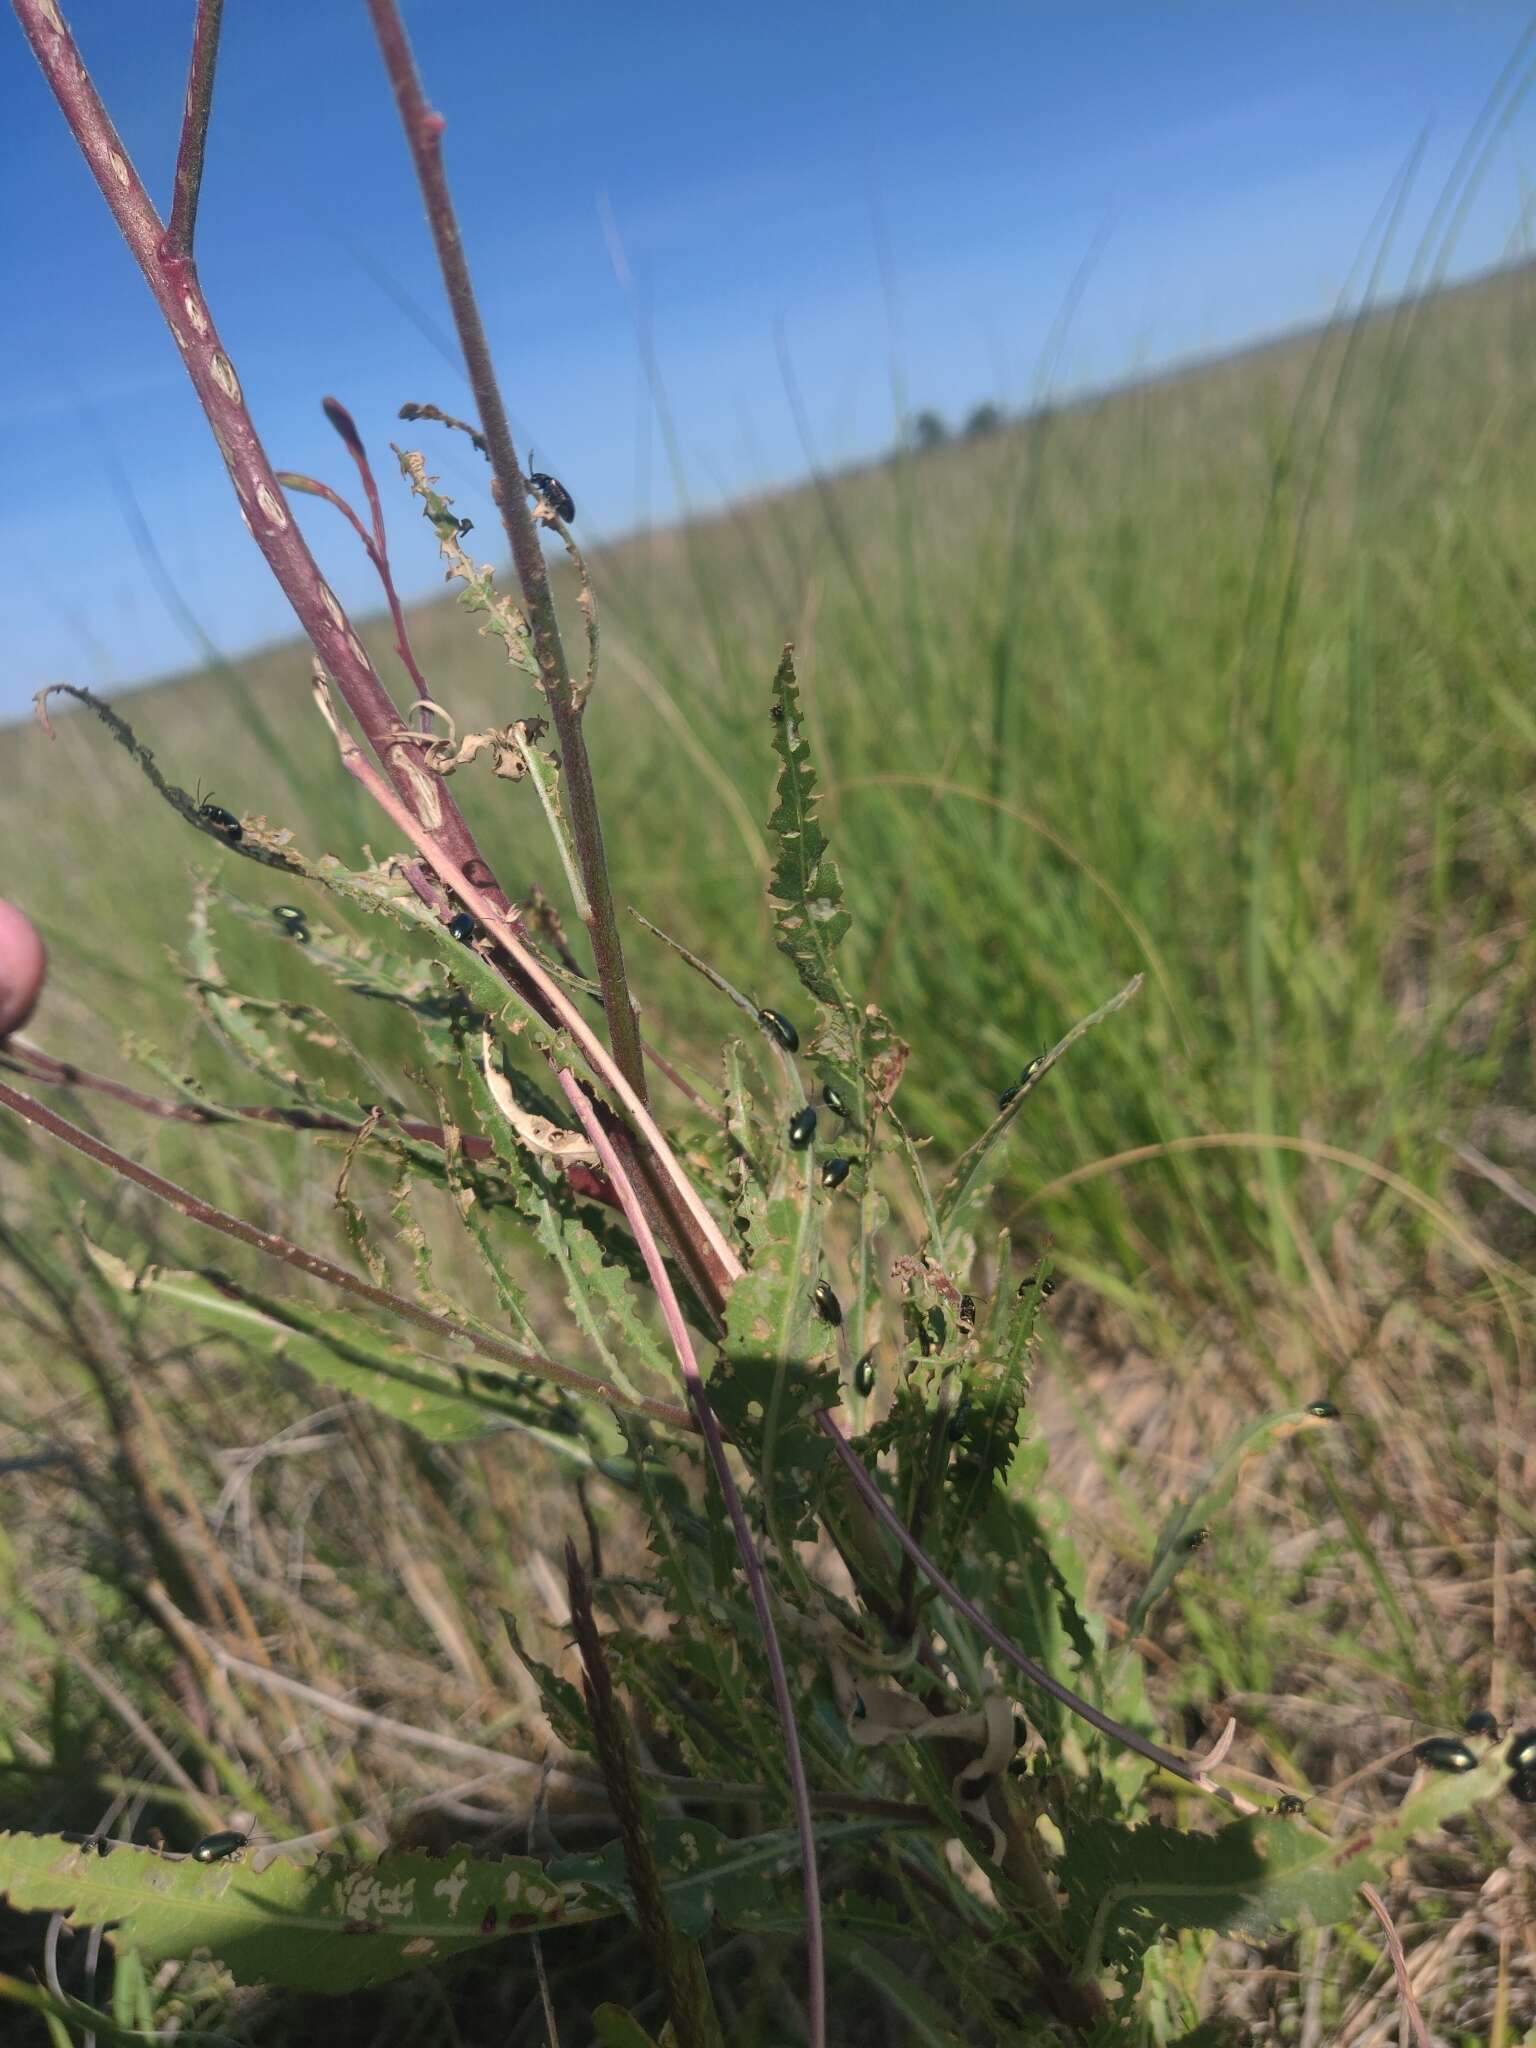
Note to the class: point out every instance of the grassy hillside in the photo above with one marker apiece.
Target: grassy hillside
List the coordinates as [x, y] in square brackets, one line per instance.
[1226, 680]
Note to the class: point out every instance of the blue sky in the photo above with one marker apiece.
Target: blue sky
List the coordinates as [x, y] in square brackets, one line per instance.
[762, 167]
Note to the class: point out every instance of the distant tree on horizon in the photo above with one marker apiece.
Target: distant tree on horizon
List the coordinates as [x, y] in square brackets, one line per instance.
[927, 430]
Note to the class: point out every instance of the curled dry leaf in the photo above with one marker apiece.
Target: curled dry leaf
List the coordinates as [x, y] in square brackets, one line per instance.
[536, 1133]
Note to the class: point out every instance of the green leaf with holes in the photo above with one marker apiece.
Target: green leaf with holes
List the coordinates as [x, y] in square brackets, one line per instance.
[1128, 1886]
[805, 888]
[327, 1925]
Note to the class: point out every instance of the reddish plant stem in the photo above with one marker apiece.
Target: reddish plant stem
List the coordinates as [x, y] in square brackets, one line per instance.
[312, 487]
[194, 129]
[44, 1071]
[198, 1211]
[710, 1256]
[424, 136]
[752, 1564]
[378, 554]
[172, 279]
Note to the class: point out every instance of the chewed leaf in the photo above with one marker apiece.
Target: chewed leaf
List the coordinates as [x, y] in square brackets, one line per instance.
[328, 1925]
[805, 888]
[561, 1702]
[253, 839]
[965, 1183]
[752, 1396]
[598, 1290]
[1127, 1886]
[771, 1334]
[502, 617]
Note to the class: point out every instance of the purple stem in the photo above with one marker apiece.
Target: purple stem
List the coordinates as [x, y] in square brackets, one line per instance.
[505, 928]
[752, 1564]
[424, 137]
[36, 1065]
[43, 1070]
[378, 554]
[199, 1211]
[172, 279]
[194, 129]
[875, 1500]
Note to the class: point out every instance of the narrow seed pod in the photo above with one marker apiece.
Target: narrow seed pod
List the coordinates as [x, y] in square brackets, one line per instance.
[1521, 1755]
[218, 1848]
[828, 1307]
[778, 1026]
[835, 1171]
[1445, 1753]
[802, 1128]
[1481, 1723]
[864, 1375]
[833, 1100]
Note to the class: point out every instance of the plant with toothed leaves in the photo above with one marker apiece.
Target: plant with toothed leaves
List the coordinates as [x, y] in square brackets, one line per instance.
[958, 1796]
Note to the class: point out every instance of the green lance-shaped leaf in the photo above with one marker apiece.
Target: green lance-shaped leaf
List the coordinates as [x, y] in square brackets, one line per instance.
[598, 1291]
[257, 840]
[1180, 1536]
[442, 1399]
[754, 1158]
[923, 2019]
[238, 1021]
[380, 894]
[502, 618]
[562, 1703]
[1128, 1886]
[543, 768]
[328, 1925]
[805, 888]
[964, 1184]
[707, 1875]
[853, 1049]
[1016, 1569]
[617, 2028]
[353, 961]
[771, 1377]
